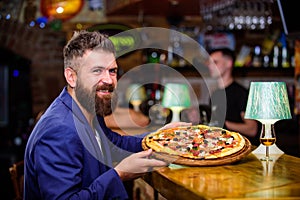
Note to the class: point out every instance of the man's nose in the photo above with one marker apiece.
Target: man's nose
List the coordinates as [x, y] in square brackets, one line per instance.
[106, 77]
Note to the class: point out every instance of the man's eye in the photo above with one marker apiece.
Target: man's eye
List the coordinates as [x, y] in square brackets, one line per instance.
[98, 71]
[113, 71]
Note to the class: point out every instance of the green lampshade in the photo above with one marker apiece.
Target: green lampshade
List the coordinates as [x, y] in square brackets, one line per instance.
[268, 100]
[135, 92]
[176, 95]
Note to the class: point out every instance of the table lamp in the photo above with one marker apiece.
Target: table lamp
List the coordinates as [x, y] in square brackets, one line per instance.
[267, 103]
[176, 97]
[136, 94]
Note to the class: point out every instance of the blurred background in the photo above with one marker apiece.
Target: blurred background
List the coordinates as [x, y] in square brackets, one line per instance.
[33, 33]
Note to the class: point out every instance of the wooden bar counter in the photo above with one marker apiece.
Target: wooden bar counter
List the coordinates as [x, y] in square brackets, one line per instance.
[249, 178]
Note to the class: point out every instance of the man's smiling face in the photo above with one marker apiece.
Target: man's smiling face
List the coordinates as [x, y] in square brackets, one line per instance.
[96, 82]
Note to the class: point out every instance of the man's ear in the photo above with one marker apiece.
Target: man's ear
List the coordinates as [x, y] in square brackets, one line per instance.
[230, 63]
[71, 76]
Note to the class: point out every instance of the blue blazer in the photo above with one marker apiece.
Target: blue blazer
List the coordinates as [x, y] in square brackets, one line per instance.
[63, 159]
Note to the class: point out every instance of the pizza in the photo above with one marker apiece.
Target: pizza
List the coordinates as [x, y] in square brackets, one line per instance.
[195, 142]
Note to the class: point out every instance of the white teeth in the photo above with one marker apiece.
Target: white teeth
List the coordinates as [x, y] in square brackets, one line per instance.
[103, 90]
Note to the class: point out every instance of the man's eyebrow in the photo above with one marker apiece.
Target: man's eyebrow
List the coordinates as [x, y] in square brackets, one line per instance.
[104, 68]
[115, 67]
[98, 67]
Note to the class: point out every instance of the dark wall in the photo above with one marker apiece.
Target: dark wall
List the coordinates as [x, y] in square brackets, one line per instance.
[32, 61]
[16, 107]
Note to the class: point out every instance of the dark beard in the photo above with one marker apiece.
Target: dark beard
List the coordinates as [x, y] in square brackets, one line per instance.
[105, 106]
[94, 104]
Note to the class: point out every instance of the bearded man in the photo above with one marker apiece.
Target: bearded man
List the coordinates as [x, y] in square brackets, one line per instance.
[71, 154]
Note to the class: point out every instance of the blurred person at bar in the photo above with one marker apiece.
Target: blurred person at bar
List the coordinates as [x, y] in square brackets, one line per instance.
[220, 67]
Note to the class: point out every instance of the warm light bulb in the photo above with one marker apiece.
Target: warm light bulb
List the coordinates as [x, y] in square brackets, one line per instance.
[59, 9]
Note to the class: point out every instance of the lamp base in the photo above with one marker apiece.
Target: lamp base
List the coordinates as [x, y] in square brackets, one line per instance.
[267, 165]
[273, 149]
[176, 113]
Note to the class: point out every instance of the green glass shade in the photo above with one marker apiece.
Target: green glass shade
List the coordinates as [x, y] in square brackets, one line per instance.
[268, 100]
[176, 95]
[135, 92]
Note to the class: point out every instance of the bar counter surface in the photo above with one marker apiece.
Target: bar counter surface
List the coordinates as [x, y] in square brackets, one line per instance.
[249, 178]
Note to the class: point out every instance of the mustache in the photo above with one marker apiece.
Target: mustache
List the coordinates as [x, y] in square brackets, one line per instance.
[109, 88]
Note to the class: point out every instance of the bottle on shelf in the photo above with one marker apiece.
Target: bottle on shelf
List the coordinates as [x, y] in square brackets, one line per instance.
[269, 42]
[157, 113]
[153, 57]
[267, 48]
[266, 61]
[285, 58]
[243, 57]
[257, 57]
[276, 53]
[285, 55]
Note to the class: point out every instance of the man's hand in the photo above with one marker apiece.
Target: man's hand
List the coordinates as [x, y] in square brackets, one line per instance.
[137, 164]
[175, 124]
